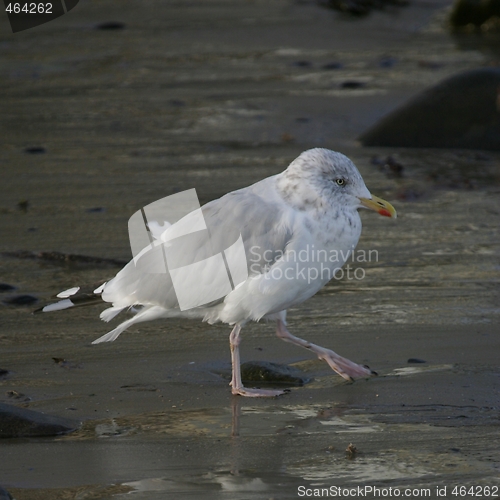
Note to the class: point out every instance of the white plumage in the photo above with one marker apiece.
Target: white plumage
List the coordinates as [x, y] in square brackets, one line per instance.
[285, 221]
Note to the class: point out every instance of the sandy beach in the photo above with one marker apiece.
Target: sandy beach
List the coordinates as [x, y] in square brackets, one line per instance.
[216, 95]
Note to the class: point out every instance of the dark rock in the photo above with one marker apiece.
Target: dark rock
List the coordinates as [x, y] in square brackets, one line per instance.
[20, 300]
[110, 26]
[416, 360]
[358, 8]
[23, 205]
[95, 210]
[20, 422]
[35, 150]
[4, 494]
[271, 373]
[4, 287]
[480, 15]
[461, 112]
[352, 84]
[3, 373]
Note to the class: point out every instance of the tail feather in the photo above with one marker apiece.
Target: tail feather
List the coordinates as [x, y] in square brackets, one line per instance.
[68, 293]
[146, 314]
[109, 313]
[114, 334]
[56, 306]
[75, 297]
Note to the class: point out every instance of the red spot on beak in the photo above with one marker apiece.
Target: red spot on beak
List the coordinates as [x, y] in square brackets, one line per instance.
[385, 213]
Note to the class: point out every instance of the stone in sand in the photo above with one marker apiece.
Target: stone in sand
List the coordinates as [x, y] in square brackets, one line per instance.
[20, 422]
[461, 112]
[4, 494]
[271, 373]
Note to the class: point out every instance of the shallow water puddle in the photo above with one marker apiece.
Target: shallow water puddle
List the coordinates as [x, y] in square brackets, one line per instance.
[246, 450]
[307, 446]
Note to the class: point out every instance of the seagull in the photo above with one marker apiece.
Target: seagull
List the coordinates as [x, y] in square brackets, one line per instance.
[296, 229]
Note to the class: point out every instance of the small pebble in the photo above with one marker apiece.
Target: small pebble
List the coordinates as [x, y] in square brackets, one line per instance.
[352, 84]
[111, 26]
[20, 300]
[23, 205]
[416, 360]
[95, 210]
[267, 372]
[351, 451]
[4, 287]
[35, 150]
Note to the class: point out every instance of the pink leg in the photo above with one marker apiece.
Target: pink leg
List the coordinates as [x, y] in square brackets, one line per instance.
[344, 367]
[236, 384]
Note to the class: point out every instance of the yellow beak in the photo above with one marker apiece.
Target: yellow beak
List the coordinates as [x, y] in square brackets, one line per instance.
[379, 205]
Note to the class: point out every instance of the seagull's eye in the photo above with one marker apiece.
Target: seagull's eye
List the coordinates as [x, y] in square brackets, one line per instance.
[340, 182]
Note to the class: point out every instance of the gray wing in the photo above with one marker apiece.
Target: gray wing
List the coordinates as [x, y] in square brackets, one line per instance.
[260, 222]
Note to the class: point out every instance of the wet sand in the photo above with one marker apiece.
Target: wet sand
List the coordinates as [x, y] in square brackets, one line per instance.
[217, 95]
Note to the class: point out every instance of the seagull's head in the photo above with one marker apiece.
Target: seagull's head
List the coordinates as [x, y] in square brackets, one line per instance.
[333, 177]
